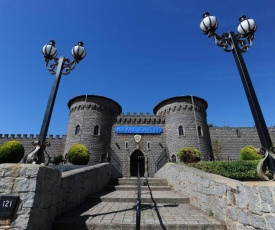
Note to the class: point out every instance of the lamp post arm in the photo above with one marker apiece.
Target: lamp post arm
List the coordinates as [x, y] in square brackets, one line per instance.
[51, 100]
[223, 41]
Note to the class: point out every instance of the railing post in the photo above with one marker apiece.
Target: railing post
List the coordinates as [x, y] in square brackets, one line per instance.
[138, 208]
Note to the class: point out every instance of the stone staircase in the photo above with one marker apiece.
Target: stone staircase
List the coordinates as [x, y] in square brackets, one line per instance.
[115, 208]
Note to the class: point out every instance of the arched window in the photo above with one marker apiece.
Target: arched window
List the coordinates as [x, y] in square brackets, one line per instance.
[96, 130]
[181, 131]
[200, 131]
[77, 130]
[173, 158]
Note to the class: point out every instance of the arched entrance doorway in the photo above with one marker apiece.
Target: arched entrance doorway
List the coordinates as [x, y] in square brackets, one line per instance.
[137, 160]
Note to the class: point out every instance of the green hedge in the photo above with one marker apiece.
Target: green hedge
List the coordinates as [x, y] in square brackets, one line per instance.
[239, 170]
[78, 155]
[11, 152]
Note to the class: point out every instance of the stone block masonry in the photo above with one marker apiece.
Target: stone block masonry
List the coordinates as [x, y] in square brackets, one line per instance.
[57, 142]
[233, 139]
[81, 182]
[241, 205]
[37, 188]
[230, 139]
[46, 192]
[94, 120]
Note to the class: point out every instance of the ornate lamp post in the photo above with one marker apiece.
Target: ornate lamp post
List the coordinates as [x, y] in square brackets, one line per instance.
[58, 67]
[238, 44]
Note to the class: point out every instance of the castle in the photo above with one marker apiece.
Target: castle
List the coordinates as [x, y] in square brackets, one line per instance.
[146, 141]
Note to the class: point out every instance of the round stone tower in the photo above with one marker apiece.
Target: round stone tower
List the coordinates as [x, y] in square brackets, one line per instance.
[90, 123]
[185, 124]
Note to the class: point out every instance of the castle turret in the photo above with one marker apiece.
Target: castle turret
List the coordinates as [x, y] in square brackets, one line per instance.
[185, 124]
[90, 123]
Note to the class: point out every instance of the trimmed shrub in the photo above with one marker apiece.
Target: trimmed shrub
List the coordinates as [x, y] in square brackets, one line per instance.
[238, 170]
[188, 155]
[249, 152]
[78, 155]
[11, 152]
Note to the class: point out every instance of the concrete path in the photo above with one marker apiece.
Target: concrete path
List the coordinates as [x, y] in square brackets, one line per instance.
[116, 209]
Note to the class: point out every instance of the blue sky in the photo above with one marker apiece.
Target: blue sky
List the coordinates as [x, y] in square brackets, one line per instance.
[139, 52]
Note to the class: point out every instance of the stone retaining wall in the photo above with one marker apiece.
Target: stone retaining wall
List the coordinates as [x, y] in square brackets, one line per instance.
[241, 205]
[47, 192]
[78, 183]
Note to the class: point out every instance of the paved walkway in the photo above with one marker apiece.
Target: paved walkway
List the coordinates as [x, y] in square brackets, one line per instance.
[117, 210]
[146, 196]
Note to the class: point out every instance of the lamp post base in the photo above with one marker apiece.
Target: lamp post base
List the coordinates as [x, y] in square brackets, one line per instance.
[265, 166]
[38, 155]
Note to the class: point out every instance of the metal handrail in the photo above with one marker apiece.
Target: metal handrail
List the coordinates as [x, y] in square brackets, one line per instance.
[114, 159]
[162, 160]
[138, 208]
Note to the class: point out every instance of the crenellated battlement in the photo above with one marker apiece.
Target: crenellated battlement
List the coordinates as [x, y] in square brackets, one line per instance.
[30, 136]
[92, 106]
[171, 109]
[180, 103]
[140, 118]
[136, 114]
[56, 147]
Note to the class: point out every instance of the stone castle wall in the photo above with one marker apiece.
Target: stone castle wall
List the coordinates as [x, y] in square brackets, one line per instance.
[57, 143]
[90, 111]
[232, 140]
[151, 146]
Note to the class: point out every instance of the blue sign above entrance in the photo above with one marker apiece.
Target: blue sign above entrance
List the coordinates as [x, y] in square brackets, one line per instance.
[138, 129]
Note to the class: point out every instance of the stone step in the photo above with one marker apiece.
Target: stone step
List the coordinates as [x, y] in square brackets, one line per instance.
[144, 181]
[134, 188]
[125, 196]
[115, 208]
[109, 215]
